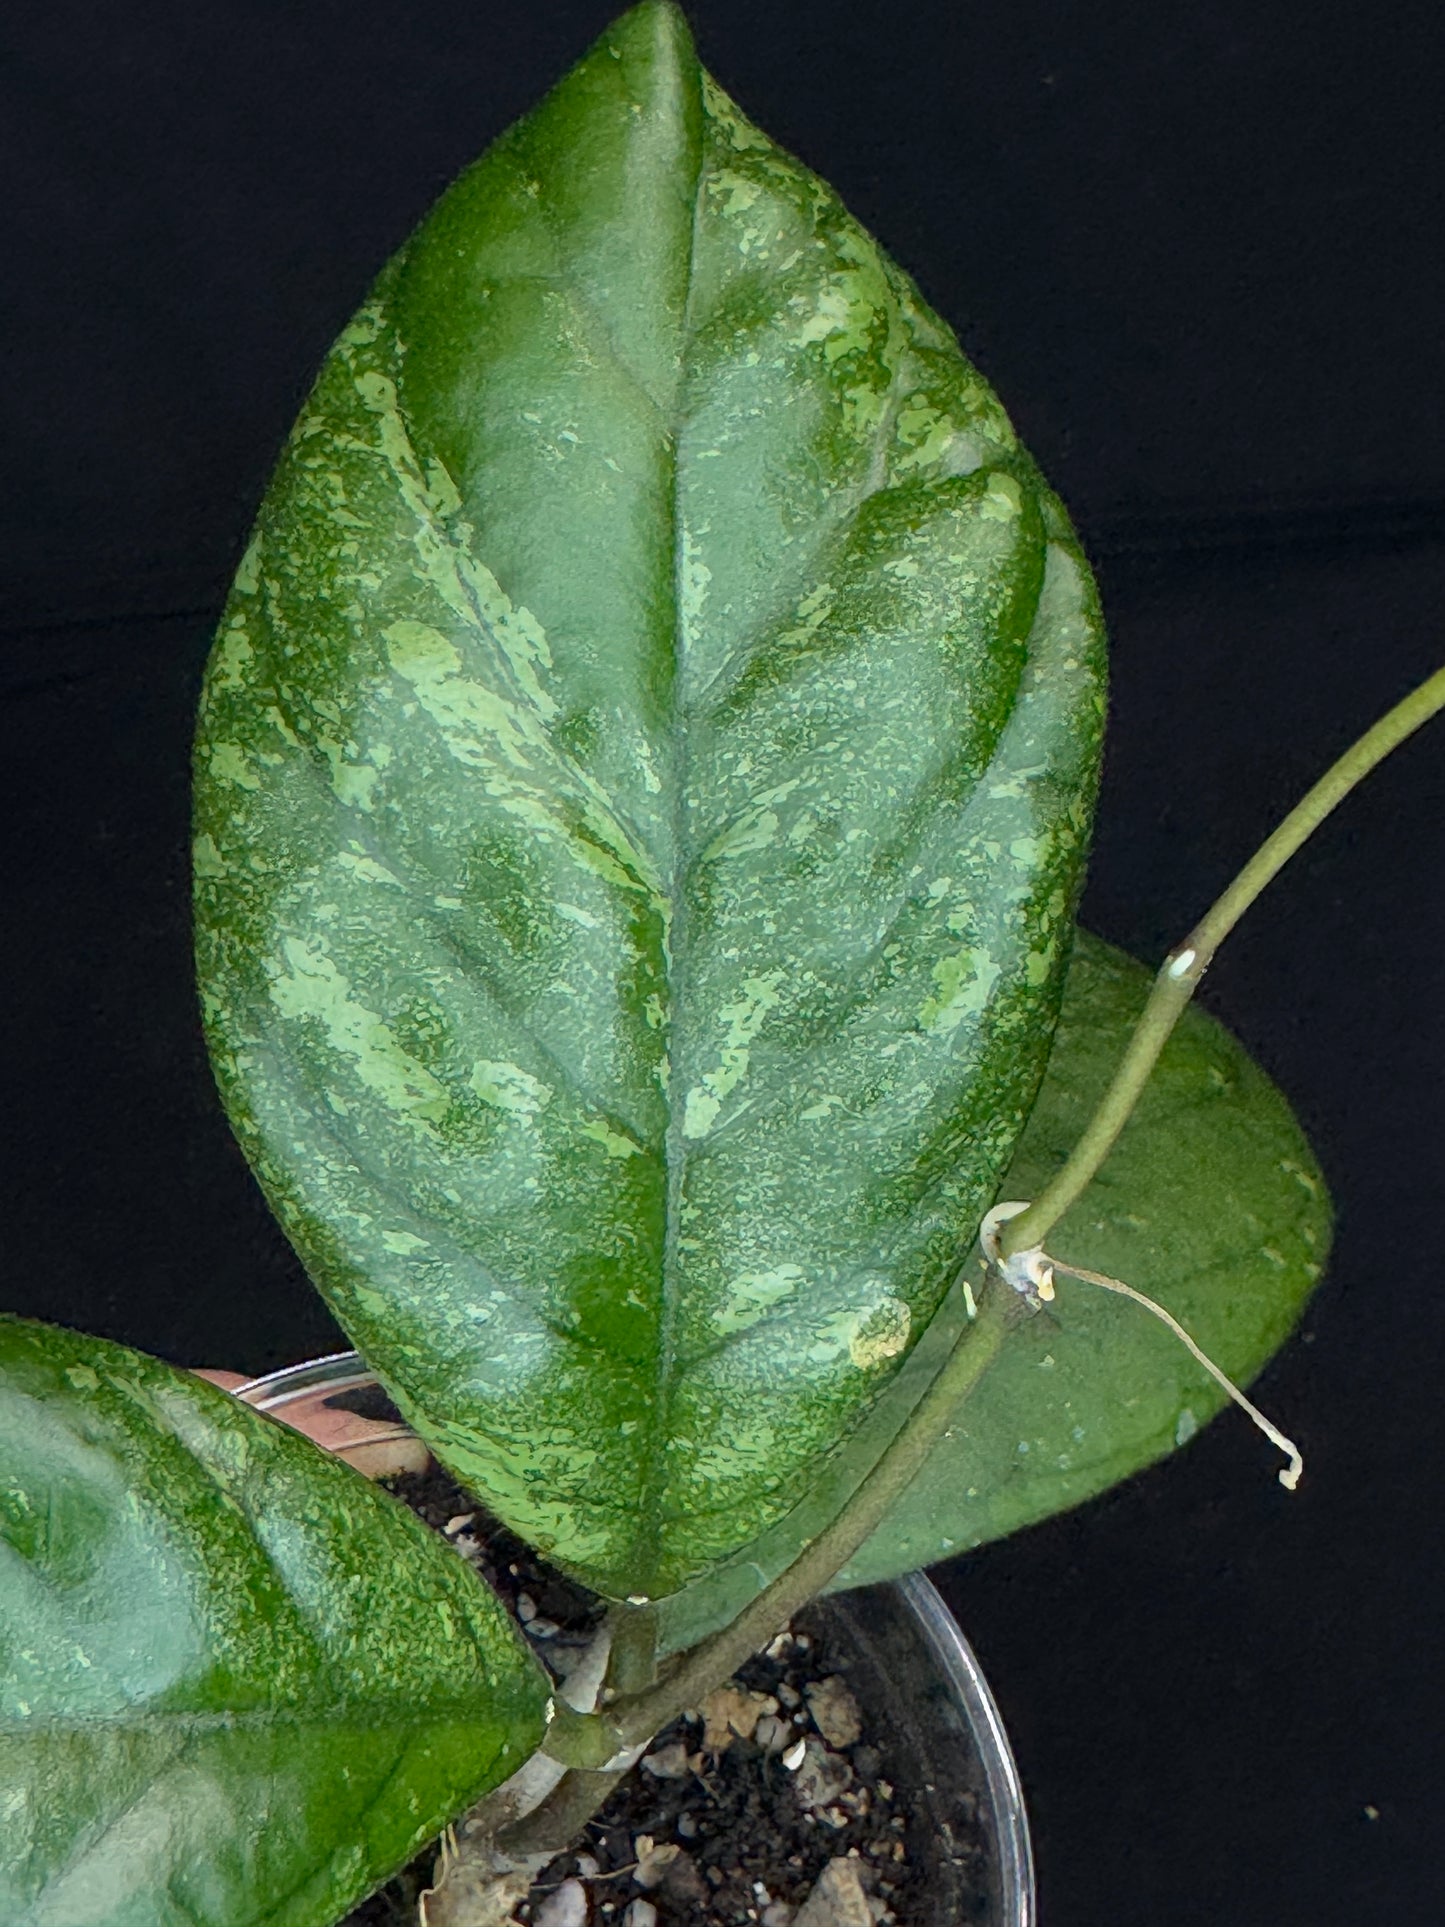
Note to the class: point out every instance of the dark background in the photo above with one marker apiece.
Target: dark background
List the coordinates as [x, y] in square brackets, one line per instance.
[1197, 250]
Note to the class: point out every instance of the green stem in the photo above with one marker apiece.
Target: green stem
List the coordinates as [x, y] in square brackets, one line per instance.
[712, 1662]
[632, 1661]
[1184, 966]
[580, 1740]
[588, 1740]
[585, 1743]
[556, 1823]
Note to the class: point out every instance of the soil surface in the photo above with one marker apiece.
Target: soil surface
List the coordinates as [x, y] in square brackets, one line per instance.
[775, 1803]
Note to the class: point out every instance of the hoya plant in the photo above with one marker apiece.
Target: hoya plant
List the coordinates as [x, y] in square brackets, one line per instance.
[642, 790]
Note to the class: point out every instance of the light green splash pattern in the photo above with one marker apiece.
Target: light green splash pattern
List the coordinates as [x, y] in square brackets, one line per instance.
[642, 789]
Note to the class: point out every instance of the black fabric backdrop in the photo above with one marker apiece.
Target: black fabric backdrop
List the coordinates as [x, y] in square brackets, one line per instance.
[1198, 253]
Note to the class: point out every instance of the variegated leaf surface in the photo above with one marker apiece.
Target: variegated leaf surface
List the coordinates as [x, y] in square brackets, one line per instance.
[237, 1682]
[642, 787]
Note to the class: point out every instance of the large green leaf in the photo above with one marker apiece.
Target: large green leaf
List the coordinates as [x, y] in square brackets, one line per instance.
[237, 1683]
[1211, 1202]
[642, 783]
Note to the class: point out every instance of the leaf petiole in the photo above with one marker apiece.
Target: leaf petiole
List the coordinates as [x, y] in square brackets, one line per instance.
[632, 1664]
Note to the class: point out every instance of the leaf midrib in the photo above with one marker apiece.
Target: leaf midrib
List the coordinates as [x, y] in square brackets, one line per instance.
[670, 1370]
[659, 1407]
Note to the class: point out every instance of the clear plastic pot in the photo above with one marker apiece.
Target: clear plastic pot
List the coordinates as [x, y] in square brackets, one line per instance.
[913, 1670]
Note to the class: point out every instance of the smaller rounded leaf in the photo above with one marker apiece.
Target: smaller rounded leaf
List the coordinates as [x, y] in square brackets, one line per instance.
[1211, 1203]
[238, 1684]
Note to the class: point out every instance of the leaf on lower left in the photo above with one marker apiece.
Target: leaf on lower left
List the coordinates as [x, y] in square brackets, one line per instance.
[238, 1684]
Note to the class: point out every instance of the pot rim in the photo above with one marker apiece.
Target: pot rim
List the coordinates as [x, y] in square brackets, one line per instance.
[957, 1662]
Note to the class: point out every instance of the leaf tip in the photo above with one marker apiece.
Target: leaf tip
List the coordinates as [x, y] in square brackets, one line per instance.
[660, 26]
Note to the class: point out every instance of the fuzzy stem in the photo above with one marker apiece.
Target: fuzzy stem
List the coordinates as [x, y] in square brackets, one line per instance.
[1184, 966]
